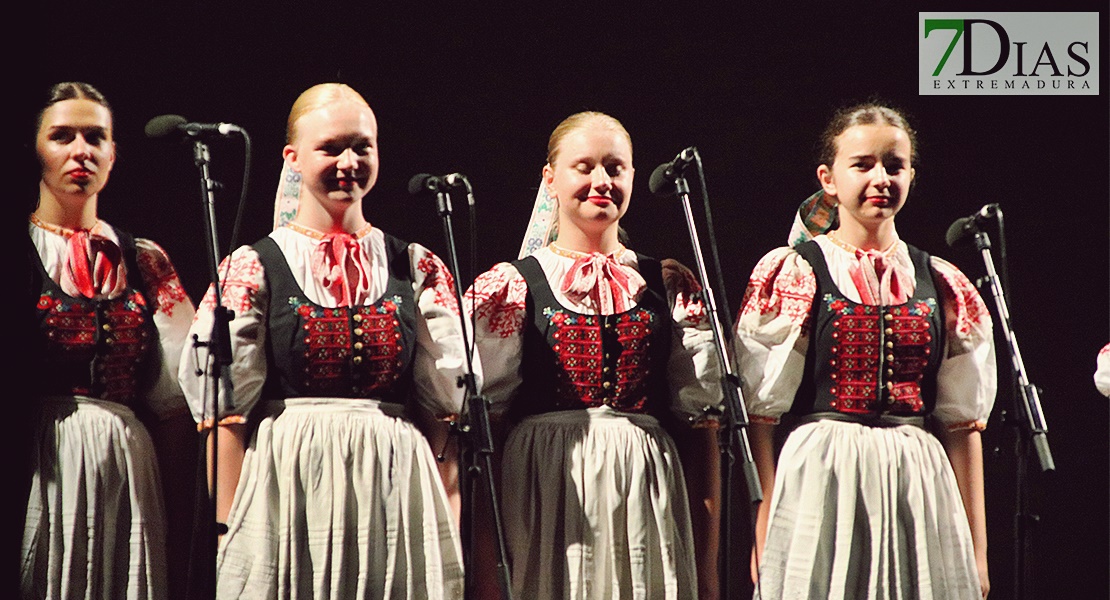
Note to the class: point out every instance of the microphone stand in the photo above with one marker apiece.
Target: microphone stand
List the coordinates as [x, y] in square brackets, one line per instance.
[1032, 429]
[733, 436]
[219, 350]
[476, 450]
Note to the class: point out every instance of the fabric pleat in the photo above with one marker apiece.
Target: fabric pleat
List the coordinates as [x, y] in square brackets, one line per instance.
[95, 525]
[324, 479]
[599, 494]
[874, 513]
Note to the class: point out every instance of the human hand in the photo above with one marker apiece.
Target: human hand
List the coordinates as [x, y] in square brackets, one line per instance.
[984, 576]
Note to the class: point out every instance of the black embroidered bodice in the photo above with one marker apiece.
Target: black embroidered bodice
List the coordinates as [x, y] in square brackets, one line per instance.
[575, 361]
[871, 360]
[343, 352]
[101, 348]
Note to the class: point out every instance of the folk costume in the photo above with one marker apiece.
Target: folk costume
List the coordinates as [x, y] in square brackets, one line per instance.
[859, 352]
[587, 359]
[334, 336]
[111, 318]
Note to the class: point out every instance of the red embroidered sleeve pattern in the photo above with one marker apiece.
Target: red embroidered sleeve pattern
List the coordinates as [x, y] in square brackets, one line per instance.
[439, 278]
[775, 290]
[499, 297]
[160, 277]
[963, 301]
[241, 283]
[683, 285]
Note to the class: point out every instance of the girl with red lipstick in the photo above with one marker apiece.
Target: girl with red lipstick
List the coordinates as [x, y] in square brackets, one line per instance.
[587, 350]
[340, 333]
[110, 320]
[861, 341]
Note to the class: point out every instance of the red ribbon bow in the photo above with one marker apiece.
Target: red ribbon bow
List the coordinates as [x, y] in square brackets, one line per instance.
[93, 267]
[338, 259]
[873, 276]
[611, 284]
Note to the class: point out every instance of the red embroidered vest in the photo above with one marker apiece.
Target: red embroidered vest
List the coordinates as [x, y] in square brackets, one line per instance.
[98, 348]
[344, 352]
[870, 360]
[575, 361]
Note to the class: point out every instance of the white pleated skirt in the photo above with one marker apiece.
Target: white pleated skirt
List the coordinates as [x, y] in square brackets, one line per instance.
[866, 512]
[595, 508]
[339, 498]
[95, 521]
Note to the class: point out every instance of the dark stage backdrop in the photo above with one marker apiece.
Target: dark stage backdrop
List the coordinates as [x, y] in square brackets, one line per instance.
[478, 90]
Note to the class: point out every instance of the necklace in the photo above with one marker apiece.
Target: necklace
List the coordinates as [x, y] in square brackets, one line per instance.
[560, 251]
[832, 237]
[313, 233]
[58, 229]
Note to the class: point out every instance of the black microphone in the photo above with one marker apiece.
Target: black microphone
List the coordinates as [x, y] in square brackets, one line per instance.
[165, 125]
[966, 226]
[663, 178]
[432, 183]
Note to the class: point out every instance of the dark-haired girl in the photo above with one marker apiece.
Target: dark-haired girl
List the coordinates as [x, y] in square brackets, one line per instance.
[862, 341]
[111, 318]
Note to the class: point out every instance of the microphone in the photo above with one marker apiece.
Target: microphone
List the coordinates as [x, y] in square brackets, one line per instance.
[965, 226]
[432, 183]
[663, 178]
[165, 125]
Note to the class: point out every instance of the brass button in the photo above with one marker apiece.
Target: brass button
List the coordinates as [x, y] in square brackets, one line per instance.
[890, 372]
[890, 344]
[357, 317]
[890, 358]
[358, 345]
[357, 360]
[888, 317]
[106, 327]
[606, 385]
[888, 331]
[605, 369]
[358, 331]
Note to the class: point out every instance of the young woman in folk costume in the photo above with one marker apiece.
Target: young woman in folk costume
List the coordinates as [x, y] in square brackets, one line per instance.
[111, 318]
[340, 330]
[858, 338]
[587, 350]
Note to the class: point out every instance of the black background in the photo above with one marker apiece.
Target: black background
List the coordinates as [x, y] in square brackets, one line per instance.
[477, 89]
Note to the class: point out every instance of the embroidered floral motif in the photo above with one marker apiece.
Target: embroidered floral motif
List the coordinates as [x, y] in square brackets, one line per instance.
[859, 352]
[160, 277]
[96, 347]
[966, 302]
[243, 280]
[602, 360]
[778, 292]
[351, 350]
[439, 278]
[499, 298]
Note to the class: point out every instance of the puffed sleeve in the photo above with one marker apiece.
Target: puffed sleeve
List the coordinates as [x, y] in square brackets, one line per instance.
[693, 370]
[1102, 371]
[966, 381]
[496, 303]
[173, 313]
[440, 358]
[244, 293]
[772, 333]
